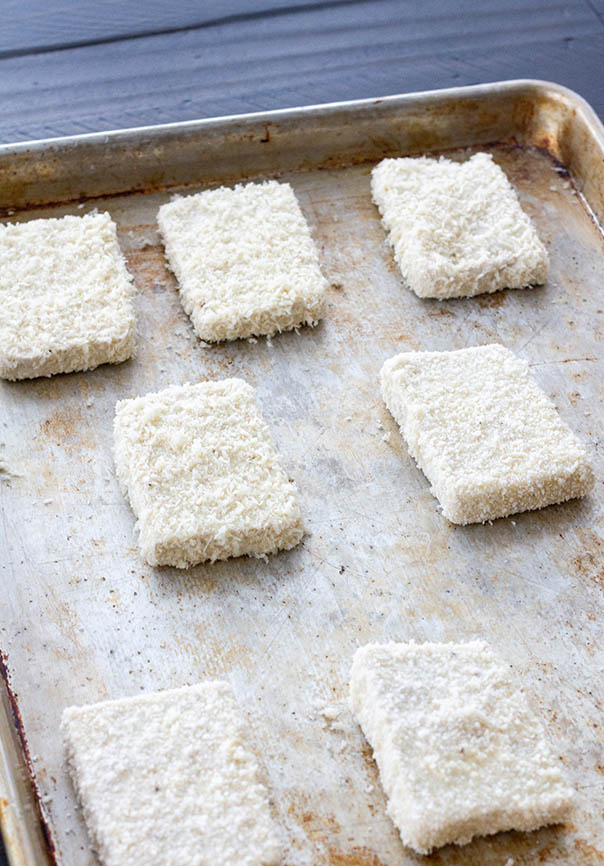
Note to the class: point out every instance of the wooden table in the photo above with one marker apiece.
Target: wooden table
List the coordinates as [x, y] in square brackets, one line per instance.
[69, 68]
[83, 66]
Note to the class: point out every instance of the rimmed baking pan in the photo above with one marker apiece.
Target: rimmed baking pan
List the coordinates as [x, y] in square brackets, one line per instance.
[82, 618]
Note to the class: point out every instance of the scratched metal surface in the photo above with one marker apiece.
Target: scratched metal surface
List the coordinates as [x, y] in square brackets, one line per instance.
[83, 618]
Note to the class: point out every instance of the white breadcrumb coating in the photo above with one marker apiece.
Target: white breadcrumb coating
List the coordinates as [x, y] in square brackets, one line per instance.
[457, 229]
[489, 440]
[460, 753]
[166, 779]
[244, 259]
[66, 298]
[203, 477]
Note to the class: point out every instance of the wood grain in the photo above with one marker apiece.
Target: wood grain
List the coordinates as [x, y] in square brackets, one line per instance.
[36, 27]
[314, 53]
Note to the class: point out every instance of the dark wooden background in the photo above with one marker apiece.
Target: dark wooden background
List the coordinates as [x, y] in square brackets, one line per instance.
[81, 66]
[72, 67]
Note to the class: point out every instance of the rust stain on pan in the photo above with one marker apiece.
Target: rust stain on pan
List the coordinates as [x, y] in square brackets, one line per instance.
[549, 149]
[370, 764]
[67, 428]
[590, 562]
[354, 857]
[548, 845]
[492, 300]
[8, 212]
[320, 829]
[20, 730]
[149, 269]
[61, 424]
[316, 827]
[589, 852]
[549, 145]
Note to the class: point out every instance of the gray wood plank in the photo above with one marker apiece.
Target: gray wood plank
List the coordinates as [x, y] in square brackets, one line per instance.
[37, 25]
[375, 48]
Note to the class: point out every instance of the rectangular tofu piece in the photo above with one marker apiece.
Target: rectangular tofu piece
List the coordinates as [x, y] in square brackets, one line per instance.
[66, 298]
[460, 753]
[457, 228]
[484, 433]
[244, 259]
[203, 477]
[166, 778]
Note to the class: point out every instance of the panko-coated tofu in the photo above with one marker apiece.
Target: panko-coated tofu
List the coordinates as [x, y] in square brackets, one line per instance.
[457, 228]
[245, 260]
[203, 477]
[489, 440]
[66, 298]
[167, 778]
[460, 753]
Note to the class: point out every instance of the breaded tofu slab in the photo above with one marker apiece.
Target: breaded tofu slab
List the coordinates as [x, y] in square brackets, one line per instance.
[203, 477]
[167, 778]
[488, 439]
[457, 228]
[460, 753]
[244, 259]
[66, 298]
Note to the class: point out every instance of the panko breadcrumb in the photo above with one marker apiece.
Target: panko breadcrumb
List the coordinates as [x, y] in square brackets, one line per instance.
[457, 228]
[460, 753]
[167, 778]
[66, 298]
[245, 260]
[489, 440]
[203, 477]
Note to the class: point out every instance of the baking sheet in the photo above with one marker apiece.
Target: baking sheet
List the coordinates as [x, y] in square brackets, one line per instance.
[82, 618]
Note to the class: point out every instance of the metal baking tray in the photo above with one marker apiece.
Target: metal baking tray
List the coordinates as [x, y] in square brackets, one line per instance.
[82, 618]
